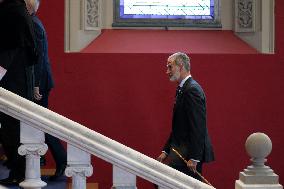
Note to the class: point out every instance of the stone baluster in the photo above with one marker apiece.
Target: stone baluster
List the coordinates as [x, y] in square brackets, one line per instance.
[78, 166]
[123, 179]
[32, 147]
[258, 175]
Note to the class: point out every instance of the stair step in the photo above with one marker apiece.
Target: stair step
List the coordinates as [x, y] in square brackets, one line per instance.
[89, 186]
[49, 172]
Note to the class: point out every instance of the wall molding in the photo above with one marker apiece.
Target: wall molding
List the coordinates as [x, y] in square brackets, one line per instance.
[91, 14]
[245, 15]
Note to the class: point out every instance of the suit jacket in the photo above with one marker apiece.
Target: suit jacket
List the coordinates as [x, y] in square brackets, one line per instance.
[16, 26]
[43, 74]
[17, 48]
[189, 133]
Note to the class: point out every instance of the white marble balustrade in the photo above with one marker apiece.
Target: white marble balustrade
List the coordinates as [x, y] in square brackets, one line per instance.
[92, 143]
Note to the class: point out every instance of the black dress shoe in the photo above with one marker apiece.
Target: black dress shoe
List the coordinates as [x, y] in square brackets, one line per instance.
[58, 173]
[42, 161]
[11, 181]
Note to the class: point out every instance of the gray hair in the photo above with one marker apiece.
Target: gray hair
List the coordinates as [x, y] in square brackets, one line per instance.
[181, 59]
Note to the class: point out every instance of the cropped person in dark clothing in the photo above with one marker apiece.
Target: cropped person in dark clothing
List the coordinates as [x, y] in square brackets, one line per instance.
[18, 54]
[43, 84]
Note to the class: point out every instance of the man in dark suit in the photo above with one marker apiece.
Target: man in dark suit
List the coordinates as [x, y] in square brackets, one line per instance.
[189, 135]
[17, 56]
[43, 84]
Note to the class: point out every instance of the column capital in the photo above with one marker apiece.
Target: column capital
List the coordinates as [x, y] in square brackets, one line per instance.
[34, 149]
[84, 171]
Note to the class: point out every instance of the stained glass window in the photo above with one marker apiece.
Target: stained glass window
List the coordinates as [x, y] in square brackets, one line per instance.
[168, 9]
[166, 12]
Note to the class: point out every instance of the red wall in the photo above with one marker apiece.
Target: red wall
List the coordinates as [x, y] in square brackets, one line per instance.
[128, 97]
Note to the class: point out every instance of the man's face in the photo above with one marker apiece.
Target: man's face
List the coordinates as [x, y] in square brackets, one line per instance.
[173, 70]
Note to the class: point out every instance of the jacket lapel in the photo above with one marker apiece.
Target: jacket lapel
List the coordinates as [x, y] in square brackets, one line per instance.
[180, 95]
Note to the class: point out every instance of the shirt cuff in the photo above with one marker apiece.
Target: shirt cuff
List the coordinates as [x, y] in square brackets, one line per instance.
[197, 161]
[165, 152]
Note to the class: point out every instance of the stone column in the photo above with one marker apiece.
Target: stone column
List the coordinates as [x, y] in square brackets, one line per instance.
[123, 179]
[32, 147]
[78, 166]
[258, 175]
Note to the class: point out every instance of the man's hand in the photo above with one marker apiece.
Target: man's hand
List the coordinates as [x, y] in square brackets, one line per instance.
[37, 96]
[192, 165]
[162, 157]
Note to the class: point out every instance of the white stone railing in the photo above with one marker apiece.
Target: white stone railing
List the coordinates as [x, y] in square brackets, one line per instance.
[36, 120]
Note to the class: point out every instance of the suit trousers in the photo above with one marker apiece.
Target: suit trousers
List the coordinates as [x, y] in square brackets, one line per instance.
[184, 169]
[56, 148]
[10, 139]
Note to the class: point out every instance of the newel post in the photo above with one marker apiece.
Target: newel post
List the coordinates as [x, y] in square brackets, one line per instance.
[258, 175]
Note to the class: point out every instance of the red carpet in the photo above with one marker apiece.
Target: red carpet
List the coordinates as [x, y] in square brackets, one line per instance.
[161, 41]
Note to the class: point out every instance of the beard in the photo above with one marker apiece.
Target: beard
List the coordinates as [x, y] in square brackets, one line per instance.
[175, 76]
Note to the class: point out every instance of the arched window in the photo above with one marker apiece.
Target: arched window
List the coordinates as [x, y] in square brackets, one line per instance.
[163, 13]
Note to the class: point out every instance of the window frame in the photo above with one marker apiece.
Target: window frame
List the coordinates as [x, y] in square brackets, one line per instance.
[148, 22]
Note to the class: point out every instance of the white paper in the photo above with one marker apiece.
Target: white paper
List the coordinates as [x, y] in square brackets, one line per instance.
[2, 72]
